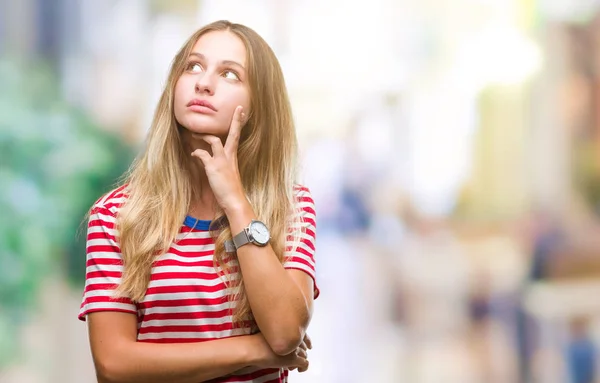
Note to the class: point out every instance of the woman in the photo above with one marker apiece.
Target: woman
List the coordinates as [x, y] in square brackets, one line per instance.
[211, 198]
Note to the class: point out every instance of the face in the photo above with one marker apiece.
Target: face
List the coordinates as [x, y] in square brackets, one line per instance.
[213, 84]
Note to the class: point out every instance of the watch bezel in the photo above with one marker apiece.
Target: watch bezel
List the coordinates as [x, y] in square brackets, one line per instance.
[252, 238]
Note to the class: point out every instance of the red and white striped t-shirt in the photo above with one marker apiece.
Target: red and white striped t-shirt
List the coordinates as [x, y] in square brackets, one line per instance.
[186, 300]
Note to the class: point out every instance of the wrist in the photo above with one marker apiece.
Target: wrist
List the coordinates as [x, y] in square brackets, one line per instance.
[239, 214]
[235, 204]
[254, 350]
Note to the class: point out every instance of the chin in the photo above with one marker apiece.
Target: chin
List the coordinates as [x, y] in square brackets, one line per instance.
[207, 129]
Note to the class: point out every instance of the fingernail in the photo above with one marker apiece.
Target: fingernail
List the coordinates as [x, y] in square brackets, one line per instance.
[243, 116]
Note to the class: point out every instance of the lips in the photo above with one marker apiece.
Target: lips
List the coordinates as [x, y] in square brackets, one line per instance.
[201, 103]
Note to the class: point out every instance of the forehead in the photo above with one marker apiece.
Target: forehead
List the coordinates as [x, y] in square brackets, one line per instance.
[221, 46]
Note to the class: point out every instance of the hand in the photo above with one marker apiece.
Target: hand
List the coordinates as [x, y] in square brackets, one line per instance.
[305, 345]
[222, 167]
[266, 358]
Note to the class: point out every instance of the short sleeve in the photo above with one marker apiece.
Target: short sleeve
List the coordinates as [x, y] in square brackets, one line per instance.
[300, 242]
[104, 266]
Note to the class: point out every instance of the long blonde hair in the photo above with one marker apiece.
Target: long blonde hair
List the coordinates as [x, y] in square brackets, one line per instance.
[159, 188]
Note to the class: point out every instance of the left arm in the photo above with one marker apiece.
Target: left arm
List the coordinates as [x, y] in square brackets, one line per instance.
[281, 300]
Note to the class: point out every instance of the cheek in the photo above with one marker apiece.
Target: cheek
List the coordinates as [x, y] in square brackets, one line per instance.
[178, 93]
[244, 100]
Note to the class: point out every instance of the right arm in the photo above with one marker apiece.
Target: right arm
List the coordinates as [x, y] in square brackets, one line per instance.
[118, 357]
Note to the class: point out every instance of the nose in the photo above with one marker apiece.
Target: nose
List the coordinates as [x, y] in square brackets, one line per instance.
[205, 84]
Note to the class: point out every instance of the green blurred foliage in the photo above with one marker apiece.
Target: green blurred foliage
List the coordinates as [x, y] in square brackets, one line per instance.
[54, 163]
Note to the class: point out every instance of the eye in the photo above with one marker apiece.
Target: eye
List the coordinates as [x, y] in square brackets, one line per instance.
[194, 67]
[231, 75]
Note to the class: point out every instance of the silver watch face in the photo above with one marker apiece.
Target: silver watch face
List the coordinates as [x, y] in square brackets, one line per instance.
[259, 232]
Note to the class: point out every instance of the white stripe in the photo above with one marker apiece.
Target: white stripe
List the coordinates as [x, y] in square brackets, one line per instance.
[194, 235]
[104, 255]
[189, 295]
[93, 268]
[188, 309]
[102, 229]
[102, 280]
[193, 248]
[103, 217]
[186, 282]
[301, 256]
[198, 335]
[183, 269]
[301, 266]
[100, 293]
[187, 322]
[115, 200]
[108, 306]
[299, 245]
[186, 258]
[100, 242]
[301, 225]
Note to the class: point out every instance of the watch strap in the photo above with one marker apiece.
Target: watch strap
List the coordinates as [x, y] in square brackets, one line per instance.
[241, 238]
[238, 241]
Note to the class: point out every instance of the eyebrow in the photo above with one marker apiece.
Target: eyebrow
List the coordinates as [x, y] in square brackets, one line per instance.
[224, 62]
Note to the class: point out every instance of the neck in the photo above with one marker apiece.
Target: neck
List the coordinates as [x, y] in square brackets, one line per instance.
[203, 203]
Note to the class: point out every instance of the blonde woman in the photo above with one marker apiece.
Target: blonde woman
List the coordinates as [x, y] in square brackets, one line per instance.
[200, 267]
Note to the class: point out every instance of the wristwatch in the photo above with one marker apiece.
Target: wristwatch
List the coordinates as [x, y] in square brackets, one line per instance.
[256, 232]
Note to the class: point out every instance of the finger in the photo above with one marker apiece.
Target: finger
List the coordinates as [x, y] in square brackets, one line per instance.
[303, 369]
[302, 353]
[303, 345]
[233, 138]
[203, 155]
[308, 341]
[304, 366]
[215, 144]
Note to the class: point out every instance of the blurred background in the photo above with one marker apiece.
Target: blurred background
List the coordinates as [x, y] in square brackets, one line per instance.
[452, 148]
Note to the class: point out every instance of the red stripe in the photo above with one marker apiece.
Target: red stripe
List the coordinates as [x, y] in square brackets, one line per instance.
[100, 235]
[86, 312]
[195, 241]
[103, 274]
[306, 199]
[103, 249]
[308, 209]
[190, 253]
[100, 209]
[309, 221]
[187, 315]
[303, 251]
[187, 328]
[105, 299]
[96, 261]
[301, 188]
[185, 289]
[100, 286]
[116, 192]
[177, 340]
[197, 301]
[156, 276]
[101, 223]
[174, 262]
[248, 377]
[300, 260]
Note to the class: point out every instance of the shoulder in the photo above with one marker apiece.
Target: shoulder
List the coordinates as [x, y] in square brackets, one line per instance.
[304, 199]
[302, 192]
[112, 201]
